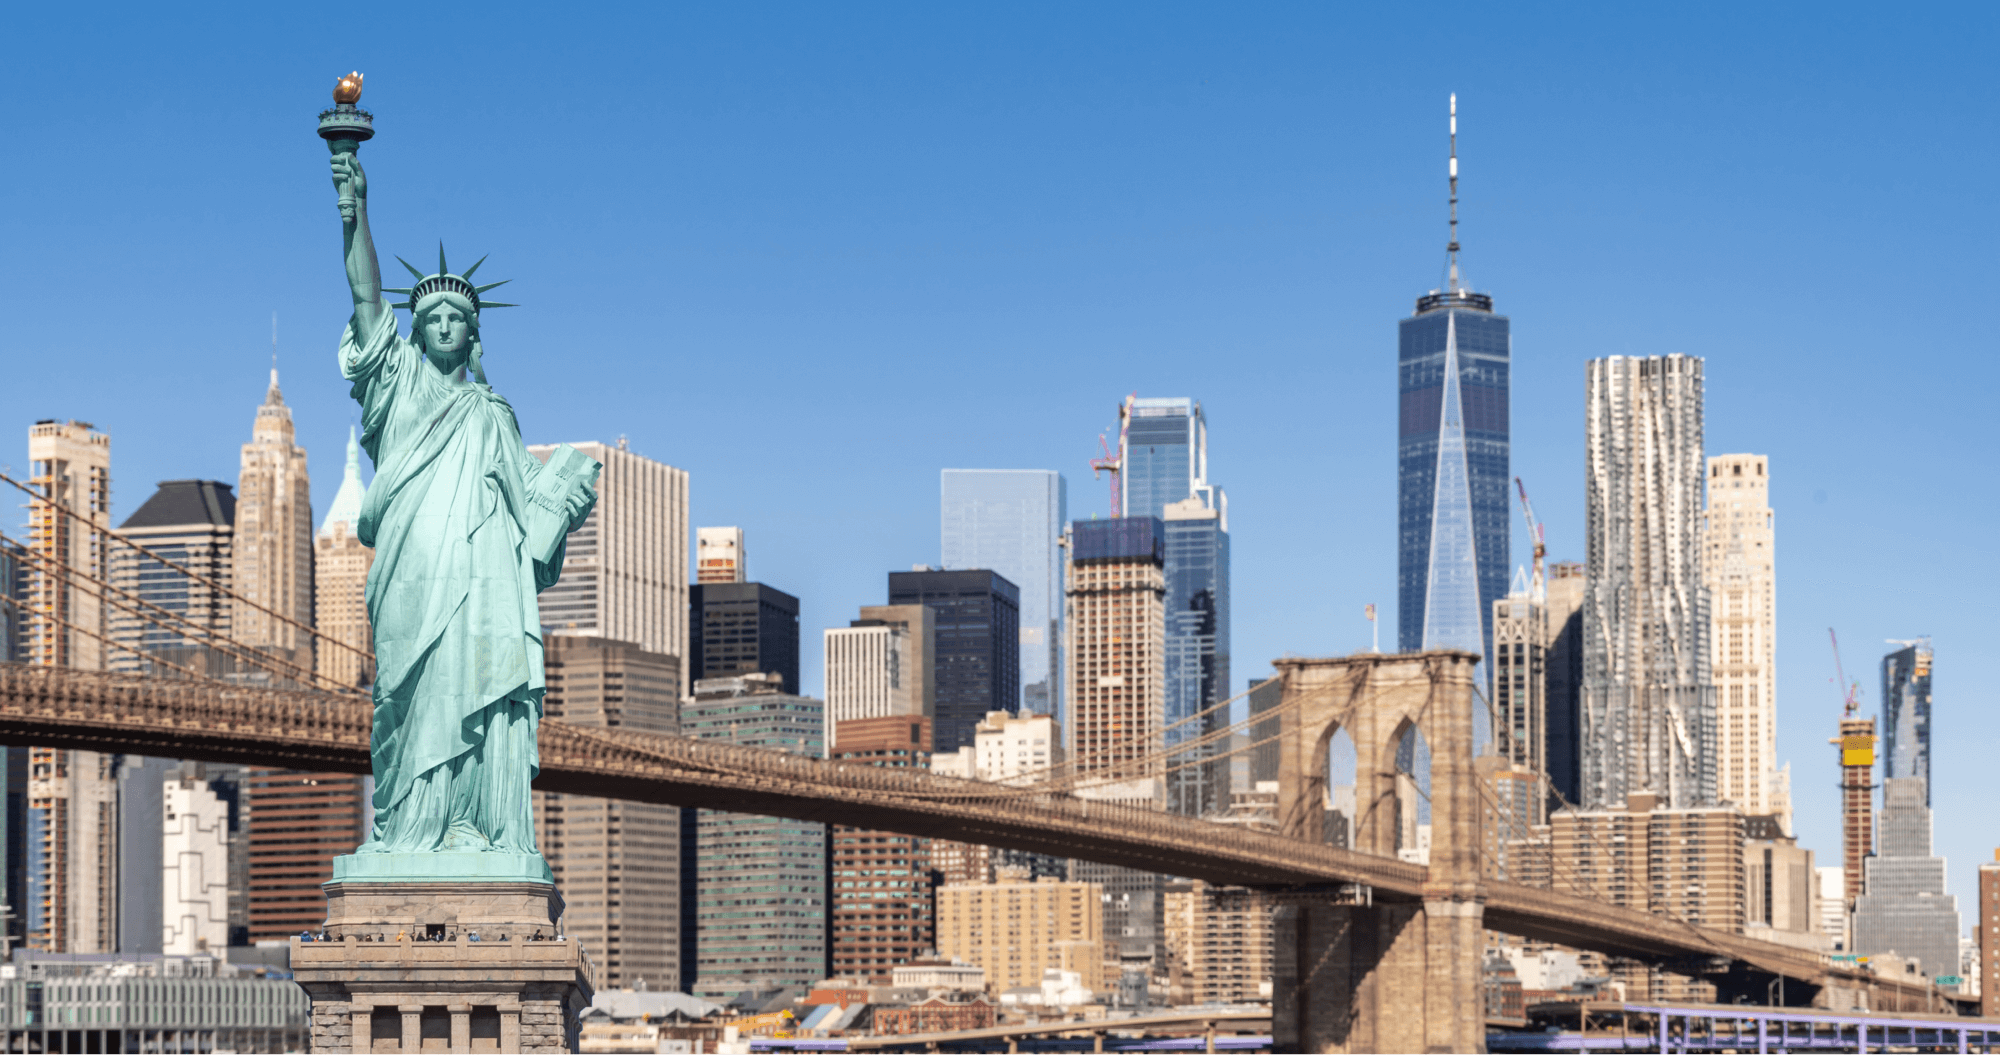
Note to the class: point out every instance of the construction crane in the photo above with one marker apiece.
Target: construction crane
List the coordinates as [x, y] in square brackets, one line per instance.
[1114, 463]
[1850, 691]
[1537, 586]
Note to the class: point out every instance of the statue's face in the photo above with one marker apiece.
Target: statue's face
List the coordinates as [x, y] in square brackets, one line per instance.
[447, 332]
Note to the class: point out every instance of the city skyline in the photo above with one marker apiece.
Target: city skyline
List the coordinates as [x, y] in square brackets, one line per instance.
[1280, 317]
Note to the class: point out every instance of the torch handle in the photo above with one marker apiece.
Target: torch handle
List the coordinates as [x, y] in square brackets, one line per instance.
[351, 147]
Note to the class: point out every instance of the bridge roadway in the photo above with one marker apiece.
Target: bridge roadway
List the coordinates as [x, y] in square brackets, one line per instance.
[131, 714]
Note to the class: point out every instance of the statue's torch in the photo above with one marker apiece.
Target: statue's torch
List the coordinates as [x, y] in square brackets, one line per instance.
[344, 128]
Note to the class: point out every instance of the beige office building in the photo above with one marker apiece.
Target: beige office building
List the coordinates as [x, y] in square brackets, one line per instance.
[340, 573]
[719, 555]
[1016, 928]
[70, 467]
[1115, 617]
[274, 538]
[616, 862]
[1218, 944]
[1738, 556]
[625, 571]
[879, 666]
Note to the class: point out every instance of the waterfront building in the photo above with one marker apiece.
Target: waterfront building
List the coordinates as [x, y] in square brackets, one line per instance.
[1738, 560]
[977, 658]
[1018, 927]
[194, 876]
[1781, 886]
[1906, 713]
[880, 665]
[1903, 907]
[625, 571]
[617, 862]
[340, 582]
[760, 918]
[883, 907]
[719, 555]
[69, 529]
[299, 822]
[191, 523]
[274, 541]
[1831, 886]
[1648, 698]
[149, 1002]
[1010, 521]
[743, 628]
[1218, 944]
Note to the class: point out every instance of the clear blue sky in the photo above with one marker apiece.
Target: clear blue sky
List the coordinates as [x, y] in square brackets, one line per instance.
[815, 253]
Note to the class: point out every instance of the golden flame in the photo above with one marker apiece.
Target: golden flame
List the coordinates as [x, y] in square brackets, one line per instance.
[348, 90]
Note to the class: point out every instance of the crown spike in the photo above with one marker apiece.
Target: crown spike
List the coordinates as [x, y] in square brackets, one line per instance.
[467, 274]
[412, 269]
[490, 285]
[387, 289]
[484, 304]
[443, 268]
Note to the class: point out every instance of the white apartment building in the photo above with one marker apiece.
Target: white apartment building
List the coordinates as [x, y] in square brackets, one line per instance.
[719, 555]
[194, 881]
[1006, 749]
[880, 665]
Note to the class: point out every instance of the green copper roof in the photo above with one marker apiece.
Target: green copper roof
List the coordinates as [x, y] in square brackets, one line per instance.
[346, 508]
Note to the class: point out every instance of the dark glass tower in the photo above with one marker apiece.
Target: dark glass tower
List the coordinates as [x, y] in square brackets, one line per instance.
[737, 628]
[1906, 713]
[977, 665]
[1451, 454]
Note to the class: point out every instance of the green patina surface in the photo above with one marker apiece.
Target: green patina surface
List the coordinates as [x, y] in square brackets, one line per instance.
[467, 528]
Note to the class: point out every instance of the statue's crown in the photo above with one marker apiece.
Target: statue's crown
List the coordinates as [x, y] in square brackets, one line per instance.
[446, 282]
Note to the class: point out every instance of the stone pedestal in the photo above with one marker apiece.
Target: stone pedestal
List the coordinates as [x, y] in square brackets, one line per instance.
[401, 970]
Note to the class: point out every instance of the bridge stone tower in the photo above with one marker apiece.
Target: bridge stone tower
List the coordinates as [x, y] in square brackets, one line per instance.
[1370, 975]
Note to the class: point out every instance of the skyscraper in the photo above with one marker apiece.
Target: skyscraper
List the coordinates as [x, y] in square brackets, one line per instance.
[340, 582]
[1452, 449]
[977, 661]
[625, 571]
[1906, 713]
[761, 894]
[1011, 521]
[1738, 561]
[274, 538]
[1648, 702]
[617, 862]
[1196, 651]
[1903, 907]
[1563, 691]
[191, 523]
[1164, 459]
[743, 628]
[880, 666]
[719, 555]
[299, 822]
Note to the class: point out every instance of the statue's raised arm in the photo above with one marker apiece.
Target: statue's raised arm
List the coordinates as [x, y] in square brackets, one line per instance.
[364, 272]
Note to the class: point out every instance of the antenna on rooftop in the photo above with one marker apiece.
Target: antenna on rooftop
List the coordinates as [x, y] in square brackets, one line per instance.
[1453, 247]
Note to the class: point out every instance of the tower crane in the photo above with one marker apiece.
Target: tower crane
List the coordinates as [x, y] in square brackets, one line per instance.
[1114, 463]
[1537, 586]
[1850, 691]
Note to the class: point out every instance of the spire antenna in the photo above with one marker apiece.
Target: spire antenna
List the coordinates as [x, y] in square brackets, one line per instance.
[1453, 247]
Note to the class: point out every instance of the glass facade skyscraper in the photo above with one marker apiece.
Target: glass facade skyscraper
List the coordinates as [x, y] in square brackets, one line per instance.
[1906, 713]
[1010, 521]
[1452, 454]
[977, 658]
[1165, 474]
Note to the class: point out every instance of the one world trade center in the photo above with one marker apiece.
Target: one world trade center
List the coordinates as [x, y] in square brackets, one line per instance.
[1451, 452]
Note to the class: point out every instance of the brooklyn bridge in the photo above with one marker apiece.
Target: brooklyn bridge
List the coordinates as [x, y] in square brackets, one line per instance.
[1372, 952]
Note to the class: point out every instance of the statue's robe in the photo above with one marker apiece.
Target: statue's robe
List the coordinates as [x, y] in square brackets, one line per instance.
[451, 598]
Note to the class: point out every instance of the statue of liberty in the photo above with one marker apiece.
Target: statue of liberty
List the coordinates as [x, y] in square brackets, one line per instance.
[467, 528]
